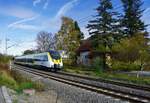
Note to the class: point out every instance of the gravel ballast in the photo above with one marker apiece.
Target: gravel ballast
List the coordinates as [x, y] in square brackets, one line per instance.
[107, 85]
[2, 100]
[64, 93]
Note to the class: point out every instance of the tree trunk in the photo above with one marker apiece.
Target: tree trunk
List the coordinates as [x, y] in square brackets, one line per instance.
[104, 61]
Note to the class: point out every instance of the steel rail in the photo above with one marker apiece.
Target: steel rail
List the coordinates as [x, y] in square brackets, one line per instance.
[116, 82]
[106, 91]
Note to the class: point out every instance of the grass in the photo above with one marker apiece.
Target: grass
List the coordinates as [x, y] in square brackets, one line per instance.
[7, 80]
[13, 79]
[108, 75]
[26, 83]
[16, 81]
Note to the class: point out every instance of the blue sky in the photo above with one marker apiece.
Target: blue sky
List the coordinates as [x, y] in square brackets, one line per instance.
[21, 20]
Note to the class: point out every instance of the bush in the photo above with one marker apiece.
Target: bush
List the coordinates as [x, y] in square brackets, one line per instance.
[147, 67]
[122, 66]
[97, 64]
[67, 62]
[26, 83]
[38, 85]
[7, 80]
[4, 59]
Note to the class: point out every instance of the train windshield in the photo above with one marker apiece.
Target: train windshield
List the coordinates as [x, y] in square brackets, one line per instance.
[55, 54]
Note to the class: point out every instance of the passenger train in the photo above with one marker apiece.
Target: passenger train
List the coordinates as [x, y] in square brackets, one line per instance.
[50, 60]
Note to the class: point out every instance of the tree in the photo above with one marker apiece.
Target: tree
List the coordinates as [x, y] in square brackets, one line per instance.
[45, 41]
[131, 22]
[105, 28]
[28, 52]
[69, 36]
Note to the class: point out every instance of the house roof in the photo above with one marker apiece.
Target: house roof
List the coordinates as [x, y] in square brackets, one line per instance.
[85, 46]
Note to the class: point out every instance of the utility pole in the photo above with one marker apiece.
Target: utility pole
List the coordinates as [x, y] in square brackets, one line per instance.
[6, 47]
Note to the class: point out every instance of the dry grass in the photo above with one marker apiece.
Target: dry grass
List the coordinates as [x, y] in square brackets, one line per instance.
[26, 83]
[4, 67]
[16, 81]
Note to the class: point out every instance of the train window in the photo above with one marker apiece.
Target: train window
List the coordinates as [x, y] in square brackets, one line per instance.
[41, 58]
[29, 60]
[45, 58]
[36, 58]
[55, 54]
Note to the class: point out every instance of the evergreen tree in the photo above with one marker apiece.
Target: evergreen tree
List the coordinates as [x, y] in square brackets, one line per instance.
[105, 28]
[131, 22]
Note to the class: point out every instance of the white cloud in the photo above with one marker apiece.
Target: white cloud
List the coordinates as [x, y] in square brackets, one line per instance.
[26, 27]
[145, 18]
[22, 21]
[20, 24]
[55, 22]
[17, 11]
[35, 2]
[63, 10]
[147, 10]
[46, 4]
[18, 50]
[85, 32]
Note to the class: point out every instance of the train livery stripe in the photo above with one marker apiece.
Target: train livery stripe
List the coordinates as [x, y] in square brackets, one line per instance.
[55, 61]
[49, 57]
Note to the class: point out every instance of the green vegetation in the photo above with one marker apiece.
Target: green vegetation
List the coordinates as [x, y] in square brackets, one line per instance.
[124, 36]
[104, 28]
[70, 36]
[25, 82]
[4, 59]
[15, 80]
[130, 54]
[123, 66]
[26, 52]
[7, 80]
[131, 21]
[97, 64]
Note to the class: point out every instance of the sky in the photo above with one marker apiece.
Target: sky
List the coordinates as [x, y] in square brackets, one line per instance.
[21, 20]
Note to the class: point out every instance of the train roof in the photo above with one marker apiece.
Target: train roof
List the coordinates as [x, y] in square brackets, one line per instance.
[31, 55]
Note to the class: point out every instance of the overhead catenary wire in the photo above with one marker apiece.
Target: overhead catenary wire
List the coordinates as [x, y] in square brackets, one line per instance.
[85, 19]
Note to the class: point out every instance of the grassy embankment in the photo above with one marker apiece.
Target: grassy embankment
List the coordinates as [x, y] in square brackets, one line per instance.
[107, 75]
[14, 80]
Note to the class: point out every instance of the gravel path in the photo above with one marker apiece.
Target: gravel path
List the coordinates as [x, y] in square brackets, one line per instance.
[1, 97]
[64, 93]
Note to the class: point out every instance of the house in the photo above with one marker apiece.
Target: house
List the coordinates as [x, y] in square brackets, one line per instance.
[86, 54]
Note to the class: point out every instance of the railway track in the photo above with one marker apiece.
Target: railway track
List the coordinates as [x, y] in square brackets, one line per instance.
[133, 98]
[116, 82]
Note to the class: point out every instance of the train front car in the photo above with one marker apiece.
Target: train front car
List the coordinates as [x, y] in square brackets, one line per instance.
[55, 60]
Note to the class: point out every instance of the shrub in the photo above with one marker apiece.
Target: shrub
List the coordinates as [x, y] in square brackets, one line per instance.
[38, 85]
[26, 83]
[4, 59]
[7, 80]
[147, 67]
[123, 66]
[67, 62]
[97, 64]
